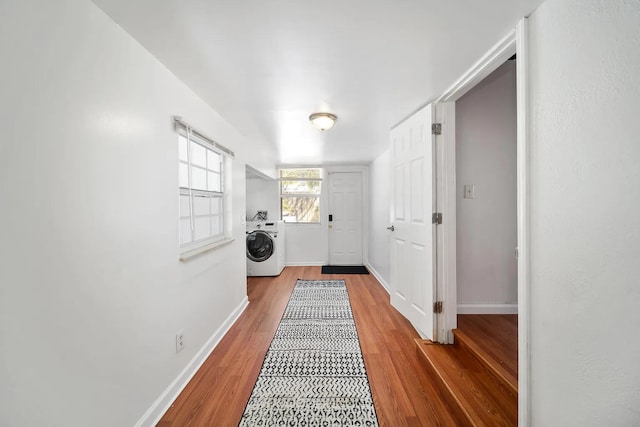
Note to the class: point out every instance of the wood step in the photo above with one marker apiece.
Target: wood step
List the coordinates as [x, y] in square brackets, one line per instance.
[495, 364]
[482, 399]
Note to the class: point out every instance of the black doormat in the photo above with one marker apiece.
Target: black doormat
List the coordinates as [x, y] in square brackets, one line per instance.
[344, 269]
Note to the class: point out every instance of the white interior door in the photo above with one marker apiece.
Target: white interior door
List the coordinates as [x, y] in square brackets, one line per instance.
[412, 205]
[345, 225]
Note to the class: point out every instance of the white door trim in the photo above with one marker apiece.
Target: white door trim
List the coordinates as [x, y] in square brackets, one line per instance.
[446, 283]
[495, 57]
[523, 160]
[516, 42]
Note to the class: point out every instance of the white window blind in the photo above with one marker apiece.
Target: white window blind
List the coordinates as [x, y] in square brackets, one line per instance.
[201, 183]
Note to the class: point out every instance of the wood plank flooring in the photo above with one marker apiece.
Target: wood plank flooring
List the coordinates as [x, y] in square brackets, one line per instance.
[404, 391]
[496, 335]
[479, 373]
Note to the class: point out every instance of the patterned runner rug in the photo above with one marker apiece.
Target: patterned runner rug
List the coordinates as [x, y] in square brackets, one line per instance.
[313, 373]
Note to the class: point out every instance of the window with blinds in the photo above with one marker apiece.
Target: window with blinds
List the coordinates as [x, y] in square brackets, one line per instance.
[201, 182]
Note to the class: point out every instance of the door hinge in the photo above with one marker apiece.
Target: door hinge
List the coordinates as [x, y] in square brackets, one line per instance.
[436, 218]
[436, 128]
[437, 307]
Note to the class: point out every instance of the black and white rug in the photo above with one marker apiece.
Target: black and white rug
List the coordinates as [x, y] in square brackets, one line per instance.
[313, 373]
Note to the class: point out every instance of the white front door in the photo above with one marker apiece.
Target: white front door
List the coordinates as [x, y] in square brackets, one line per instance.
[412, 205]
[345, 218]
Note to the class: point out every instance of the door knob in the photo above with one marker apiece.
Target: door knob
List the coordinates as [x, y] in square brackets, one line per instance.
[391, 228]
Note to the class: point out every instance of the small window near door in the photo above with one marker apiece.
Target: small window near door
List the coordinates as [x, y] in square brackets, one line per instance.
[300, 195]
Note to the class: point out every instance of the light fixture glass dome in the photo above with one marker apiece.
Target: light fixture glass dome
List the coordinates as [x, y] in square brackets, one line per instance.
[323, 121]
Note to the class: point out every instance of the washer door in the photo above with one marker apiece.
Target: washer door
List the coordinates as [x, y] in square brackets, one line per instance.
[259, 246]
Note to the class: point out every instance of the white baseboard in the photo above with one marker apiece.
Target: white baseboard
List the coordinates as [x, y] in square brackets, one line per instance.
[377, 275]
[305, 264]
[162, 403]
[487, 308]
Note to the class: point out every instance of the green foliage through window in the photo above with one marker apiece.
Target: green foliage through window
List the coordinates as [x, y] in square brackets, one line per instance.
[300, 195]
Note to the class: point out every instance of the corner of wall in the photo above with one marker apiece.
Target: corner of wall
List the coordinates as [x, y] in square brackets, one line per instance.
[153, 415]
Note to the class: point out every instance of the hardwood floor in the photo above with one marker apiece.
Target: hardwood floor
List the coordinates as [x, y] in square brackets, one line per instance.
[404, 391]
[479, 373]
[496, 336]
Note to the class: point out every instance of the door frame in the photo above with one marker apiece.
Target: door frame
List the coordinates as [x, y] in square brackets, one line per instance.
[516, 42]
[445, 105]
[364, 171]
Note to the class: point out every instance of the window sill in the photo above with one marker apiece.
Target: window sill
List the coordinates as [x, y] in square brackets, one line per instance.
[192, 253]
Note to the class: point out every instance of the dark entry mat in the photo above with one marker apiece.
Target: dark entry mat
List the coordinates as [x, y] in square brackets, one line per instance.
[344, 269]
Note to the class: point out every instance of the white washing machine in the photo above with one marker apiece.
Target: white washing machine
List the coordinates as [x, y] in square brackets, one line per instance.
[265, 248]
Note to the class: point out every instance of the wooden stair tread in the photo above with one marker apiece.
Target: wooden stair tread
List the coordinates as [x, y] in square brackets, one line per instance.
[496, 367]
[482, 399]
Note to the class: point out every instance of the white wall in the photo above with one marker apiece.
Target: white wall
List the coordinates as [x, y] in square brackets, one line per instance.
[379, 247]
[263, 195]
[307, 244]
[91, 289]
[486, 235]
[585, 221]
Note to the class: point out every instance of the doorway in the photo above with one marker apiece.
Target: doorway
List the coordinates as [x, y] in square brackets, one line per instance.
[486, 195]
[515, 42]
[345, 218]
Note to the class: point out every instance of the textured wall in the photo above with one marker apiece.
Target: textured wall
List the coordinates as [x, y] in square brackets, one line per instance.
[585, 221]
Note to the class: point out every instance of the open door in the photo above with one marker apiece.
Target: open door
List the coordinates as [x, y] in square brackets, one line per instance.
[412, 229]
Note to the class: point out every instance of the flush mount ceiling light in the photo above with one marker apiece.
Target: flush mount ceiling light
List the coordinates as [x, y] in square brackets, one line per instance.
[323, 121]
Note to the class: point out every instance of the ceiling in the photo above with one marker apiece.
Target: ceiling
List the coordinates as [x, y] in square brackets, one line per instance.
[265, 65]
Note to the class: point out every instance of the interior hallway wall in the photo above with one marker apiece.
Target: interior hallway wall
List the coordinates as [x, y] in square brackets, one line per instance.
[486, 231]
[379, 246]
[91, 289]
[263, 194]
[585, 226]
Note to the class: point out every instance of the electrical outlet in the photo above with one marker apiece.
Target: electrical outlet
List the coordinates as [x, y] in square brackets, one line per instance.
[179, 341]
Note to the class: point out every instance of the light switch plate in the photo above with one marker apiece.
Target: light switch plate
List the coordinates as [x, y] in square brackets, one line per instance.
[469, 191]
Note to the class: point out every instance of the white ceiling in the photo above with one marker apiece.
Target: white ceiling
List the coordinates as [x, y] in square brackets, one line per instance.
[265, 65]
